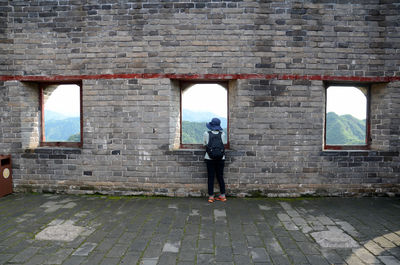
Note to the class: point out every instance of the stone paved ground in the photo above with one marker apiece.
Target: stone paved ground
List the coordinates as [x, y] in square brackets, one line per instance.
[62, 229]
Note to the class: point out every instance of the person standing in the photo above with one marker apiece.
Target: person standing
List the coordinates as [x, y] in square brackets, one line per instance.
[215, 158]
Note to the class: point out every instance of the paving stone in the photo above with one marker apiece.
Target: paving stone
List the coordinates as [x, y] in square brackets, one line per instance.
[131, 258]
[168, 258]
[223, 254]
[273, 246]
[264, 207]
[205, 259]
[187, 254]
[254, 241]
[110, 261]
[64, 231]
[94, 258]
[298, 236]
[284, 217]
[287, 243]
[354, 260]
[317, 260]
[206, 246]
[138, 245]
[147, 261]
[85, 249]
[118, 250]
[106, 245]
[250, 229]
[231, 238]
[153, 251]
[59, 257]
[74, 260]
[259, 255]
[185, 263]
[242, 259]
[296, 256]
[395, 252]
[308, 248]
[38, 259]
[334, 239]
[394, 238]
[5, 257]
[389, 260]
[290, 226]
[324, 220]
[383, 242]
[24, 255]
[280, 259]
[365, 256]
[240, 248]
[332, 257]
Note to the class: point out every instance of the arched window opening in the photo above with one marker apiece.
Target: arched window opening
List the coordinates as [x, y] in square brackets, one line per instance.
[347, 117]
[61, 115]
[200, 102]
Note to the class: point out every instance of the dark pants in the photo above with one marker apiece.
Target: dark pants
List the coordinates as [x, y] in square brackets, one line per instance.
[215, 168]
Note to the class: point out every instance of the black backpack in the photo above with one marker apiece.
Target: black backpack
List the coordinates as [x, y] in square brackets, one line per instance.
[215, 147]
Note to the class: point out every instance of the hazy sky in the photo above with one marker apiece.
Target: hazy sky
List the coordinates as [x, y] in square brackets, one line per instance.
[347, 100]
[206, 97]
[64, 100]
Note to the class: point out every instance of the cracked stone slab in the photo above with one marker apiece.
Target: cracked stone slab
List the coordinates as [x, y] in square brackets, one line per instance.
[64, 231]
[334, 239]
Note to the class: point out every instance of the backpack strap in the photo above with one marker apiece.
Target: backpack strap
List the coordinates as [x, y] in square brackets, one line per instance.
[210, 135]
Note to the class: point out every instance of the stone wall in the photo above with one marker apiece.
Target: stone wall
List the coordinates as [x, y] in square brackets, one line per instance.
[277, 57]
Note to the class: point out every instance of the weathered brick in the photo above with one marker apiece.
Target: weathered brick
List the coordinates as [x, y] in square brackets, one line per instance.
[130, 138]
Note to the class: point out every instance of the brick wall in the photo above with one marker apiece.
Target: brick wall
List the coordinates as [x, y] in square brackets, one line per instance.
[277, 56]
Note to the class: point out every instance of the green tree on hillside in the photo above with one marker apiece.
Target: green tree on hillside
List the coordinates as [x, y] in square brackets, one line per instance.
[74, 138]
[344, 130]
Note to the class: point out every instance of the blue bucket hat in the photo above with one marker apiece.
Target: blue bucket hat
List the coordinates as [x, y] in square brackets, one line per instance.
[214, 125]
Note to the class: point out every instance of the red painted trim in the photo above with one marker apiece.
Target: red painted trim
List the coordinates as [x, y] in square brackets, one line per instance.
[41, 106]
[200, 77]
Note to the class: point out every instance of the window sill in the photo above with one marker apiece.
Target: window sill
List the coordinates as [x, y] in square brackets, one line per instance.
[61, 144]
[358, 153]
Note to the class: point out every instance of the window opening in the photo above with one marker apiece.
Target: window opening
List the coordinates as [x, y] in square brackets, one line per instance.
[200, 102]
[61, 115]
[347, 117]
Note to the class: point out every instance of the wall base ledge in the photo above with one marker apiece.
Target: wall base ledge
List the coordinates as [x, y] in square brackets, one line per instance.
[200, 190]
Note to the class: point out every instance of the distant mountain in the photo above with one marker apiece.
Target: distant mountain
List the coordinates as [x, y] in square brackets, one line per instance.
[340, 130]
[344, 130]
[192, 132]
[52, 115]
[195, 116]
[61, 130]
